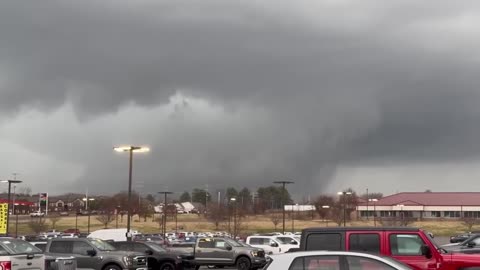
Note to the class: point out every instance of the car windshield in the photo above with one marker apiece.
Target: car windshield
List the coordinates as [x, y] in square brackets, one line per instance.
[156, 247]
[15, 246]
[434, 242]
[284, 240]
[233, 243]
[101, 245]
[471, 238]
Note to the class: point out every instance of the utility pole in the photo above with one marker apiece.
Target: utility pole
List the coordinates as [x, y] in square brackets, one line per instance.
[165, 193]
[283, 183]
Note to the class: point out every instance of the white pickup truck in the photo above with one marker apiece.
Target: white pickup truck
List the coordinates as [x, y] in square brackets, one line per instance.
[16, 254]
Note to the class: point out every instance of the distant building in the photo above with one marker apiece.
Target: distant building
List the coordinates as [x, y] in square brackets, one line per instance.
[423, 205]
[300, 208]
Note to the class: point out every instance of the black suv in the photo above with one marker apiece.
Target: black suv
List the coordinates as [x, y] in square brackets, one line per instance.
[158, 257]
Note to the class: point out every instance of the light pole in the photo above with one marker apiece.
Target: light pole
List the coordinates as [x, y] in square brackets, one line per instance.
[401, 213]
[234, 201]
[164, 231]
[130, 149]
[293, 217]
[326, 207]
[344, 194]
[374, 201]
[368, 199]
[10, 182]
[86, 200]
[284, 191]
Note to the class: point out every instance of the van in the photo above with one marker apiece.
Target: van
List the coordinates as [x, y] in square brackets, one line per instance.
[112, 234]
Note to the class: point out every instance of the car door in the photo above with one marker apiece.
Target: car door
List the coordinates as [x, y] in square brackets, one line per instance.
[472, 247]
[263, 243]
[80, 251]
[363, 263]
[203, 250]
[407, 248]
[223, 251]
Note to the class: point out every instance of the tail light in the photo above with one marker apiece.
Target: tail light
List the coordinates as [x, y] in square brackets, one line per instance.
[5, 265]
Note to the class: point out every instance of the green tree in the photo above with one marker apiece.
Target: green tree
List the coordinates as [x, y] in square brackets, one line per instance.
[245, 197]
[231, 193]
[185, 197]
[200, 196]
[150, 198]
[323, 205]
[272, 197]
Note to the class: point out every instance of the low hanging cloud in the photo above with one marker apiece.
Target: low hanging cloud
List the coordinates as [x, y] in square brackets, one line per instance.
[237, 93]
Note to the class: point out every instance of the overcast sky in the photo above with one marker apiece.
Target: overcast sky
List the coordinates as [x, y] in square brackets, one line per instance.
[381, 94]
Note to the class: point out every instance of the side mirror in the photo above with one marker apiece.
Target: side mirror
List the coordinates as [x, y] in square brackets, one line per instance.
[228, 247]
[293, 242]
[471, 244]
[149, 252]
[426, 251]
[274, 244]
[91, 252]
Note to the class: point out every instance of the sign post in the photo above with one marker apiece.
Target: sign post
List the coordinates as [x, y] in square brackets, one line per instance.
[3, 218]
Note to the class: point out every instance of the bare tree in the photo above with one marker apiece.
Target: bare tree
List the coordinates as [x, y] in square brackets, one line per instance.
[38, 225]
[54, 220]
[106, 218]
[469, 223]
[323, 204]
[275, 218]
[216, 214]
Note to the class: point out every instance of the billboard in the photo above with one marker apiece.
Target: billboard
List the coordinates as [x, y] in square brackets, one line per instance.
[3, 218]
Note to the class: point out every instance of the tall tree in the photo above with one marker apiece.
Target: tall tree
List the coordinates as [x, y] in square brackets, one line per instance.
[231, 193]
[323, 205]
[201, 196]
[217, 214]
[150, 198]
[245, 197]
[185, 197]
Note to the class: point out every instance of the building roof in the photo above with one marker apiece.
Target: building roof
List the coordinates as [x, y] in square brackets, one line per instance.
[430, 199]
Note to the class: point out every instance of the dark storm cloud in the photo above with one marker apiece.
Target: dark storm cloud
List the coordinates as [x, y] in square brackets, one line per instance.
[333, 82]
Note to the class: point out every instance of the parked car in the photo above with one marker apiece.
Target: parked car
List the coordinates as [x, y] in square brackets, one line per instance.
[75, 231]
[220, 252]
[459, 238]
[95, 254]
[158, 257]
[470, 246]
[40, 245]
[338, 260]
[411, 246]
[270, 244]
[16, 254]
[37, 214]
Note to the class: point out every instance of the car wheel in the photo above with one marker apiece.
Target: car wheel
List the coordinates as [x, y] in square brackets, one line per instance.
[112, 267]
[243, 263]
[167, 266]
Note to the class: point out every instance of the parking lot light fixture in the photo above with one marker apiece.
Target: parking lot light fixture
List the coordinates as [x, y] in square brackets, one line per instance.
[284, 191]
[130, 149]
[344, 193]
[10, 182]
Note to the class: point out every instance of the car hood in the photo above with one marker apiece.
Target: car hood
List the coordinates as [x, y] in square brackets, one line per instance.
[451, 245]
[462, 257]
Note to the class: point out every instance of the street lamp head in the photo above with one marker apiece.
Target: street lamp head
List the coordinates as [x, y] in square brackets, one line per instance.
[11, 181]
[135, 149]
[373, 200]
[90, 199]
[344, 193]
[325, 206]
[283, 182]
[233, 199]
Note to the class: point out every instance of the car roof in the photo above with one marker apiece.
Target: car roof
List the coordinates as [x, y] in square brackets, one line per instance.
[324, 253]
[343, 229]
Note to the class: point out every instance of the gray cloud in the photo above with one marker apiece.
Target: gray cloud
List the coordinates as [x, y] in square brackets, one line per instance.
[295, 89]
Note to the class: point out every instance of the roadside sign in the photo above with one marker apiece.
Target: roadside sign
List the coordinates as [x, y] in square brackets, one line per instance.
[3, 218]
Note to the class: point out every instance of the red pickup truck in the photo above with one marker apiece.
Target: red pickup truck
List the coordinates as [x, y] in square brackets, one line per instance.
[411, 246]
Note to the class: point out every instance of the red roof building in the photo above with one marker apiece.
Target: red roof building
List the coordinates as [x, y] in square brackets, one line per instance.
[423, 205]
